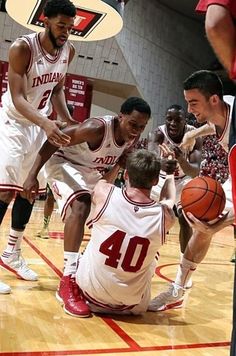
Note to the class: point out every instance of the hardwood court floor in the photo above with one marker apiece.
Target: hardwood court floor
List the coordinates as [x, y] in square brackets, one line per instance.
[33, 323]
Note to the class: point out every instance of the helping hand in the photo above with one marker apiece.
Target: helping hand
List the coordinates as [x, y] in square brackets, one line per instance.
[31, 187]
[55, 136]
[188, 142]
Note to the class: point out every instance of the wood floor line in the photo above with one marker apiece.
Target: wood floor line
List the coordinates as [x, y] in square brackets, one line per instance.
[159, 268]
[119, 350]
[133, 345]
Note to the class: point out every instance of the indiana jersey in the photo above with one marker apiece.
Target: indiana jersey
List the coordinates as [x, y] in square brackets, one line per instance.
[103, 157]
[43, 74]
[118, 263]
[179, 173]
[223, 139]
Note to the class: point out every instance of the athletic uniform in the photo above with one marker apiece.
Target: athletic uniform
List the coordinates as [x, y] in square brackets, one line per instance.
[229, 4]
[117, 266]
[180, 177]
[20, 138]
[224, 141]
[73, 171]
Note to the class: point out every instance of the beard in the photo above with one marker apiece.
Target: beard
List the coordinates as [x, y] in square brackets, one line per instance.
[53, 39]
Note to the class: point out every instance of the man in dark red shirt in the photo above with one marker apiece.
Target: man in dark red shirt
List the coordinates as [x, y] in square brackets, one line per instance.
[220, 30]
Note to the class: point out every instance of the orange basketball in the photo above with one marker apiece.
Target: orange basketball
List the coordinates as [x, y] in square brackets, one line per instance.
[204, 197]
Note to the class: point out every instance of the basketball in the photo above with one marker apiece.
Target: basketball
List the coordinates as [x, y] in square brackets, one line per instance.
[204, 197]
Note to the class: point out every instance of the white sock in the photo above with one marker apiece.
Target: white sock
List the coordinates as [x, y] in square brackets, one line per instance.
[70, 263]
[14, 242]
[184, 272]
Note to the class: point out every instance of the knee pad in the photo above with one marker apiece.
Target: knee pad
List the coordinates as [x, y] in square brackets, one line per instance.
[21, 212]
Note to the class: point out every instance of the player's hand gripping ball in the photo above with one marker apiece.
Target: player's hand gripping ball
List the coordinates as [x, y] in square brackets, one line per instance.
[204, 197]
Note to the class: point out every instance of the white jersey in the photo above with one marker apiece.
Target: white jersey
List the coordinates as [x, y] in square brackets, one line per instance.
[43, 74]
[75, 170]
[116, 268]
[223, 139]
[179, 173]
[100, 159]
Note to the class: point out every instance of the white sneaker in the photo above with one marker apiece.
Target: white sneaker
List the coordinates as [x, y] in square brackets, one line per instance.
[43, 234]
[171, 299]
[15, 263]
[189, 284]
[4, 288]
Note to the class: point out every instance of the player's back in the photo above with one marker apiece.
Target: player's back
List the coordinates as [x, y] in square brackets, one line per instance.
[119, 260]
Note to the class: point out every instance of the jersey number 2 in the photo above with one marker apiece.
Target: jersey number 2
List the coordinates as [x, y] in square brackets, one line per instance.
[111, 248]
[44, 100]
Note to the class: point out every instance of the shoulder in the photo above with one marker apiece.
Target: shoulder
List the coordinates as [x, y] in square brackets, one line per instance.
[19, 53]
[90, 131]
[168, 213]
[229, 99]
[101, 191]
[102, 185]
[95, 124]
[160, 130]
[21, 45]
[71, 46]
[71, 51]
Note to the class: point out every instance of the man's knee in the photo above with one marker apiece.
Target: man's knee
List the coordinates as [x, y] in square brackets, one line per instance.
[81, 207]
[21, 213]
[7, 196]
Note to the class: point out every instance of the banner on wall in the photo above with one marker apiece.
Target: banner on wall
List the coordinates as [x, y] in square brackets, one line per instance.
[78, 92]
[3, 77]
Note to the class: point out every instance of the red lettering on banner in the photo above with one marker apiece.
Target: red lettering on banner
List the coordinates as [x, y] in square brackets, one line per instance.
[78, 93]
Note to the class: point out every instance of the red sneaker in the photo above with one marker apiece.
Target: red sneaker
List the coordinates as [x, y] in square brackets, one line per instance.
[70, 296]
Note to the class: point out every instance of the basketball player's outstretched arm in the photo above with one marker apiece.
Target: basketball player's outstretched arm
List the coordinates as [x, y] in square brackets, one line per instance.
[189, 139]
[111, 175]
[168, 191]
[155, 138]
[208, 227]
[190, 166]
[19, 59]
[90, 131]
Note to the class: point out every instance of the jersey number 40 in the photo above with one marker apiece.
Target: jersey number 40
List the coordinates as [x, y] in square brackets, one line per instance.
[111, 247]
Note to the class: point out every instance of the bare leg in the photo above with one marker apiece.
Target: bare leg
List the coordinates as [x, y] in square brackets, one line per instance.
[197, 247]
[5, 199]
[195, 252]
[48, 209]
[11, 258]
[185, 231]
[74, 225]
[69, 293]
[49, 204]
